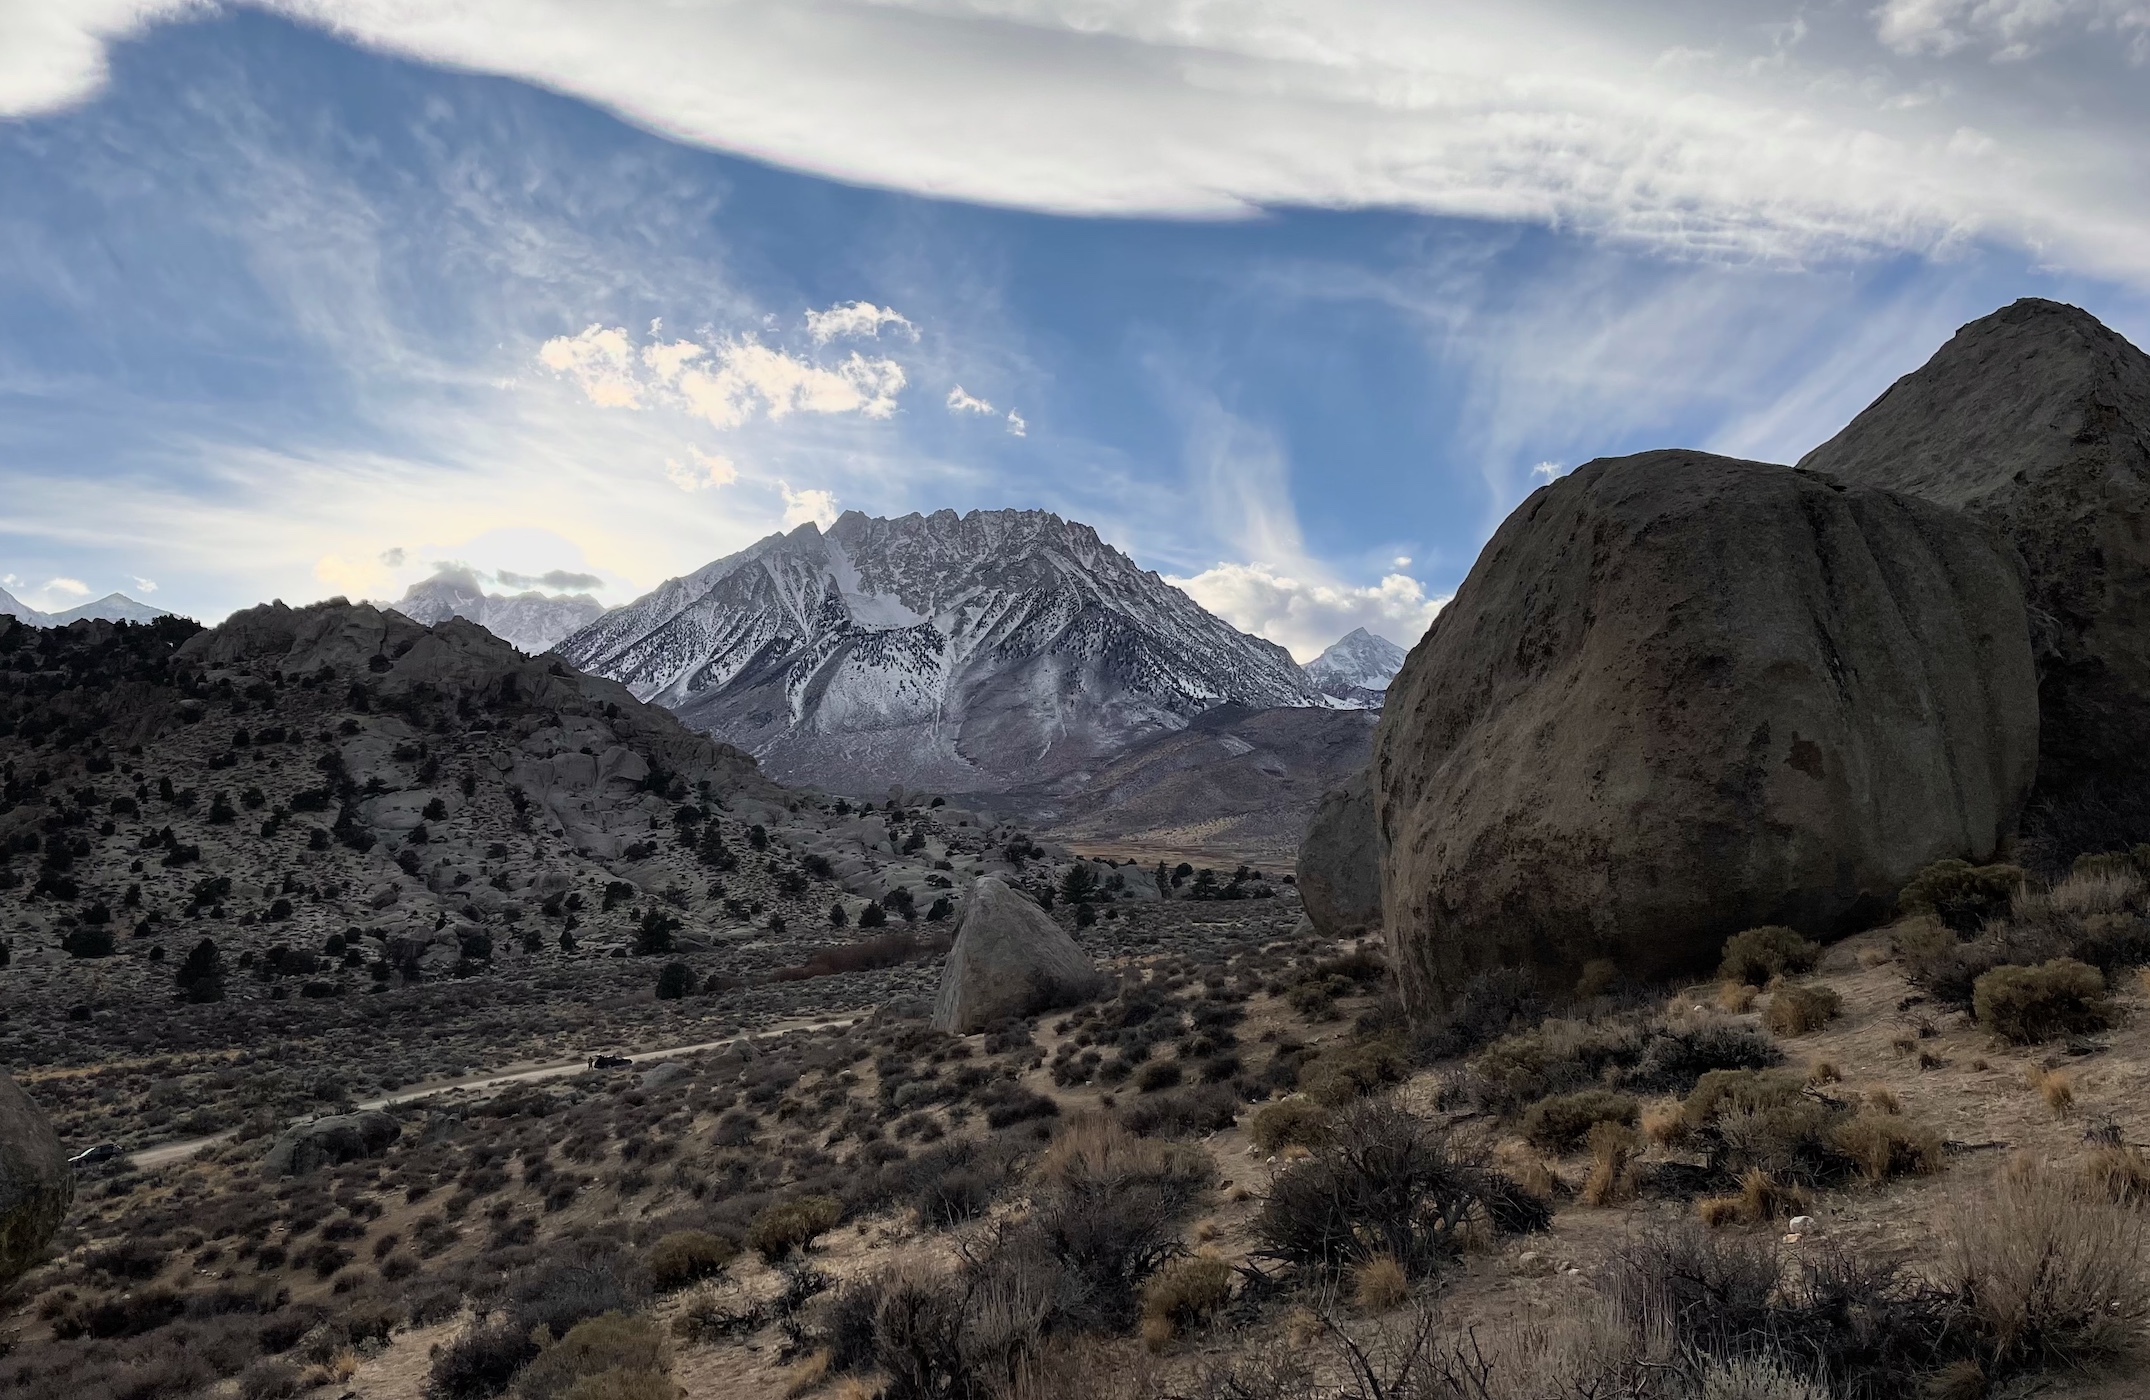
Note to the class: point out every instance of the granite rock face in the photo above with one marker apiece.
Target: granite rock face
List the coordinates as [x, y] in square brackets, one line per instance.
[1339, 869]
[1009, 959]
[36, 1184]
[331, 1141]
[2036, 420]
[1681, 695]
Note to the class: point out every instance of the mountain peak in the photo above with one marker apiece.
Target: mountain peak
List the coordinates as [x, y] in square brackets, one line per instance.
[965, 652]
[1357, 668]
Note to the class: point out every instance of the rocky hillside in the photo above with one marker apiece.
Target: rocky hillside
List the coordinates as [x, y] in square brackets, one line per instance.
[528, 621]
[972, 653]
[1357, 668]
[1238, 781]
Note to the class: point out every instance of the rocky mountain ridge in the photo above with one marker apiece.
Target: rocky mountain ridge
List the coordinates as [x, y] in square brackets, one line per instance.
[113, 607]
[529, 621]
[966, 653]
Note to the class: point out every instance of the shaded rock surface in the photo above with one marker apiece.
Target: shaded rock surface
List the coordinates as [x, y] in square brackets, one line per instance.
[1009, 959]
[36, 1184]
[1680, 695]
[2036, 420]
[331, 1141]
[1339, 869]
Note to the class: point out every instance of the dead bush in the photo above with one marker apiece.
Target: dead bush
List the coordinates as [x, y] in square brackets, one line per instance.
[1184, 1294]
[1962, 896]
[788, 1226]
[2051, 1273]
[1759, 954]
[1107, 1208]
[1796, 1008]
[689, 1256]
[593, 1349]
[2031, 1004]
[1559, 1123]
[1384, 1183]
[1291, 1122]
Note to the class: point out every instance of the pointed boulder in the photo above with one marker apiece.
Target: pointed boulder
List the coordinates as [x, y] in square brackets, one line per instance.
[2036, 421]
[1010, 959]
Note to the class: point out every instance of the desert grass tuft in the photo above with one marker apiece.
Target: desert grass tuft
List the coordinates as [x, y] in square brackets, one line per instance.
[2055, 1087]
[1380, 1285]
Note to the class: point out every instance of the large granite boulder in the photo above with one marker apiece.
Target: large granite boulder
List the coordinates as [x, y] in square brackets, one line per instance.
[36, 1184]
[1009, 959]
[329, 1142]
[2036, 420]
[1679, 696]
[1339, 871]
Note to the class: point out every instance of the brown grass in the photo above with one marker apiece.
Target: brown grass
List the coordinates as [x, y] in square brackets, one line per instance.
[1736, 997]
[1797, 1008]
[1380, 1285]
[1824, 1072]
[1664, 1124]
[2120, 1174]
[2055, 1087]
[2053, 1273]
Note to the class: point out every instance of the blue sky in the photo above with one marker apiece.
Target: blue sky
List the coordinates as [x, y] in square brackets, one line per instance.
[1294, 302]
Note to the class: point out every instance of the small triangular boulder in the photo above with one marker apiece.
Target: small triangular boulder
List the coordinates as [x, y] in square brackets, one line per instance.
[1010, 959]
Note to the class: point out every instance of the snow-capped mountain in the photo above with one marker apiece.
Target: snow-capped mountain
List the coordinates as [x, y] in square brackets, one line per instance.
[113, 607]
[1357, 668]
[974, 653]
[531, 622]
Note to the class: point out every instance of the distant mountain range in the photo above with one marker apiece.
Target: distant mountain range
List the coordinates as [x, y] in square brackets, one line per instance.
[113, 607]
[531, 622]
[979, 653]
[1357, 669]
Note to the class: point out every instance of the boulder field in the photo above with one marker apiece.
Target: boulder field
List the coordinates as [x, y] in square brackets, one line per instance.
[1681, 695]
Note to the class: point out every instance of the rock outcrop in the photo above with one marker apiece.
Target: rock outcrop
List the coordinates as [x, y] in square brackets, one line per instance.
[1680, 695]
[36, 1184]
[331, 1141]
[1009, 959]
[1339, 870]
[2036, 420]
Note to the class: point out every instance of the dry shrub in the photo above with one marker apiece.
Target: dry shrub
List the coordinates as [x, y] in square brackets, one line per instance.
[1885, 1144]
[1824, 1072]
[1961, 896]
[689, 1256]
[2056, 1088]
[1381, 1284]
[1107, 1209]
[1760, 954]
[1795, 1009]
[1293, 1122]
[612, 1343]
[1350, 1071]
[1385, 1183]
[1718, 1211]
[1611, 1144]
[2031, 1004]
[809, 1373]
[1558, 1123]
[2120, 1173]
[1736, 997]
[1184, 1294]
[2051, 1272]
[1631, 1053]
[792, 1225]
[1882, 1099]
[1664, 1124]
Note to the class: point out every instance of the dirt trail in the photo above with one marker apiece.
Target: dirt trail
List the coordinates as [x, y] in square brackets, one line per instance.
[166, 1153]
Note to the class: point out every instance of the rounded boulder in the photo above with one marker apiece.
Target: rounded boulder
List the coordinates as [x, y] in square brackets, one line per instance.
[1681, 695]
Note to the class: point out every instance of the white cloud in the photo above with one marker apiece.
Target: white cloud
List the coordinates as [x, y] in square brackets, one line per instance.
[393, 558]
[701, 471]
[1016, 425]
[73, 586]
[1305, 616]
[802, 506]
[1714, 131]
[1549, 470]
[727, 384]
[145, 585]
[961, 402]
[859, 318]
